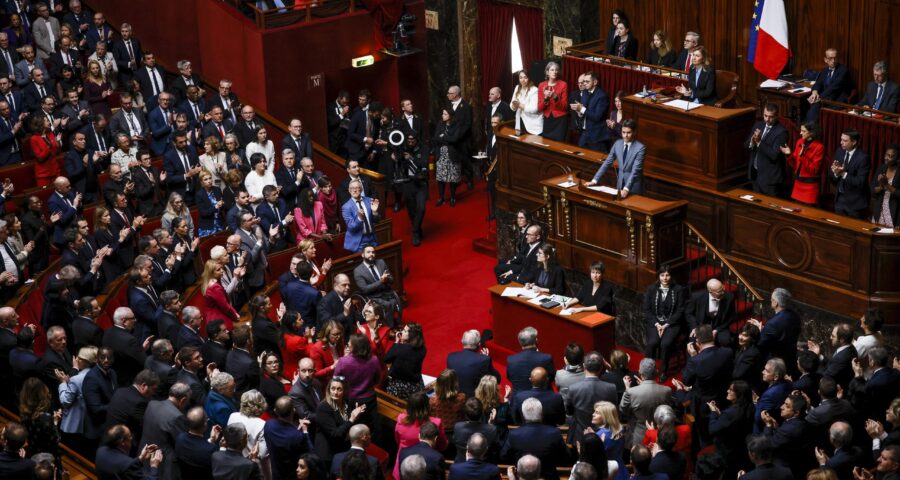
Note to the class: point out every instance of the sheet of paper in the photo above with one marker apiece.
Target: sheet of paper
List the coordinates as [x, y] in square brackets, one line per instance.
[885, 230]
[428, 380]
[538, 299]
[801, 90]
[747, 197]
[566, 184]
[604, 189]
[683, 105]
[566, 311]
[511, 292]
[772, 84]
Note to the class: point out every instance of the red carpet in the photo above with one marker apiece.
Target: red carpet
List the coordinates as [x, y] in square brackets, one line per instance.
[446, 285]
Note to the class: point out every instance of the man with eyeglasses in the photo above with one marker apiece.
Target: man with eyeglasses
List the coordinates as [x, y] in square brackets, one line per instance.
[716, 307]
[524, 260]
[683, 62]
[462, 117]
[832, 83]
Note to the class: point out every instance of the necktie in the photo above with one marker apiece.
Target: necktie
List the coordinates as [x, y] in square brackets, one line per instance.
[124, 219]
[165, 114]
[374, 272]
[134, 129]
[277, 213]
[221, 131]
[687, 62]
[15, 140]
[235, 258]
[828, 77]
[130, 51]
[878, 97]
[156, 87]
[153, 294]
[100, 143]
[188, 81]
[765, 132]
[293, 174]
[8, 59]
[367, 228]
[10, 98]
[42, 91]
[187, 167]
[625, 153]
[299, 150]
[846, 160]
[196, 111]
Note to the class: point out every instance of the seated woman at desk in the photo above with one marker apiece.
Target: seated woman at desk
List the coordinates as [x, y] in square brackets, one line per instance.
[661, 52]
[595, 295]
[701, 80]
[624, 45]
[547, 276]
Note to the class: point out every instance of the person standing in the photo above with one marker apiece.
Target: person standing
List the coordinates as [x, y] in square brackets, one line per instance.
[765, 169]
[850, 173]
[630, 153]
[553, 93]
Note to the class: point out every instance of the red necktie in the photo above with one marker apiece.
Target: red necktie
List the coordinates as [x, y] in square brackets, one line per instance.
[125, 218]
[221, 131]
[687, 62]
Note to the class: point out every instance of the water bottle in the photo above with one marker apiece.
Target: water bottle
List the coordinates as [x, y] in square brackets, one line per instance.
[644, 92]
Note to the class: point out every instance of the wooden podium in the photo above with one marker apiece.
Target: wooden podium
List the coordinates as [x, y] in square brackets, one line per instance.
[593, 330]
[702, 147]
[633, 236]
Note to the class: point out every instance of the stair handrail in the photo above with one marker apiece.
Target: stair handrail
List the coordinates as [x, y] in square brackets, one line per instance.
[716, 253]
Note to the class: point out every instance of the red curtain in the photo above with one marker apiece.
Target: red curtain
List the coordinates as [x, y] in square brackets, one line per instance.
[530, 29]
[874, 135]
[613, 78]
[494, 29]
[386, 14]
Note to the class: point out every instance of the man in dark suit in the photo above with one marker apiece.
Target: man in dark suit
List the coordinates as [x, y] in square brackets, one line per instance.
[496, 106]
[191, 361]
[167, 423]
[230, 464]
[410, 123]
[520, 266]
[306, 393]
[335, 305]
[475, 467]
[362, 132]
[360, 438]
[64, 56]
[195, 106]
[185, 79]
[57, 358]
[472, 413]
[832, 83]
[78, 17]
[708, 371]
[535, 438]
[182, 168]
[790, 441]
[300, 296]
[808, 381]
[161, 121]
[435, 466]
[218, 125]
[98, 387]
[470, 364]
[373, 279]
[683, 60]
[875, 394]
[99, 32]
[83, 168]
[766, 168]
[463, 118]
[353, 173]
[715, 307]
[778, 338]
[831, 409]
[850, 172]
[128, 54]
[839, 366]
[12, 464]
[129, 352]
[274, 212]
[65, 203]
[240, 363]
[148, 181]
[761, 452]
[582, 395]
[520, 365]
[551, 402]
[166, 317]
[881, 93]
[144, 302]
[15, 99]
[77, 111]
[846, 455]
[129, 403]
[595, 134]
[9, 57]
[214, 350]
[129, 121]
[161, 362]
[9, 321]
[114, 460]
[152, 80]
[11, 135]
[286, 439]
[777, 389]
[189, 333]
[192, 449]
[338, 117]
[85, 330]
[227, 100]
[255, 243]
[246, 128]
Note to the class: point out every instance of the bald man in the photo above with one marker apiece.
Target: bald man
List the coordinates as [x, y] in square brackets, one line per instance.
[551, 402]
[496, 107]
[715, 307]
[306, 393]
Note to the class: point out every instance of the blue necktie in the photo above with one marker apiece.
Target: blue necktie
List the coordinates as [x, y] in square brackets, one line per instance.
[878, 97]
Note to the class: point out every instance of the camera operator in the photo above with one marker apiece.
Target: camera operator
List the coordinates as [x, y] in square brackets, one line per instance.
[411, 178]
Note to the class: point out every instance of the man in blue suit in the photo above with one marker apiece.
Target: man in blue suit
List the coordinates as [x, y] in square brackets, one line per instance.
[881, 93]
[360, 437]
[475, 468]
[470, 364]
[832, 83]
[596, 134]
[520, 365]
[360, 214]
[300, 296]
[630, 154]
[192, 449]
[182, 168]
[551, 402]
[850, 173]
[67, 204]
[761, 453]
[534, 438]
[875, 394]
[273, 211]
[708, 371]
[194, 106]
[162, 121]
[778, 389]
[790, 441]
[778, 338]
[98, 32]
[11, 132]
[189, 333]
[435, 466]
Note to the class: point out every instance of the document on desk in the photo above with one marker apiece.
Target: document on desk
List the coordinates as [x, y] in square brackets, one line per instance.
[683, 105]
[539, 299]
[566, 184]
[772, 84]
[518, 292]
[566, 312]
[604, 189]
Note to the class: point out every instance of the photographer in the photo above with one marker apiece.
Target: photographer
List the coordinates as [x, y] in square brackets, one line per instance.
[411, 179]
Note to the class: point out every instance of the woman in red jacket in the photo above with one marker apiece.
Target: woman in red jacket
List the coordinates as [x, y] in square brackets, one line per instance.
[326, 352]
[44, 148]
[553, 95]
[217, 305]
[806, 161]
[375, 330]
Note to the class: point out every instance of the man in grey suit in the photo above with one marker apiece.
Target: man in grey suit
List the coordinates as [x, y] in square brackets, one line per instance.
[630, 154]
[584, 394]
[165, 422]
[23, 68]
[46, 31]
[374, 279]
[640, 401]
[256, 244]
[128, 120]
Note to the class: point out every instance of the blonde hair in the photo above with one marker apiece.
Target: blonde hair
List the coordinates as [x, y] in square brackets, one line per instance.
[487, 392]
[209, 269]
[447, 386]
[253, 403]
[610, 417]
[666, 46]
[98, 79]
[305, 245]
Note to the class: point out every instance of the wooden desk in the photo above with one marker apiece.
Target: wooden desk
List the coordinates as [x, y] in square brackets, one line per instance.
[633, 236]
[702, 147]
[593, 330]
[791, 105]
[833, 262]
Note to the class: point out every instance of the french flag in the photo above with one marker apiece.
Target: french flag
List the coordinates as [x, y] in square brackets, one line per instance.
[769, 50]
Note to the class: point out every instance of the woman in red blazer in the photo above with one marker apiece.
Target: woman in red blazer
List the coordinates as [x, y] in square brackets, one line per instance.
[326, 352]
[44, 148]
[375, 330]
[806, 161]
[310, 217]
[216, 300]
